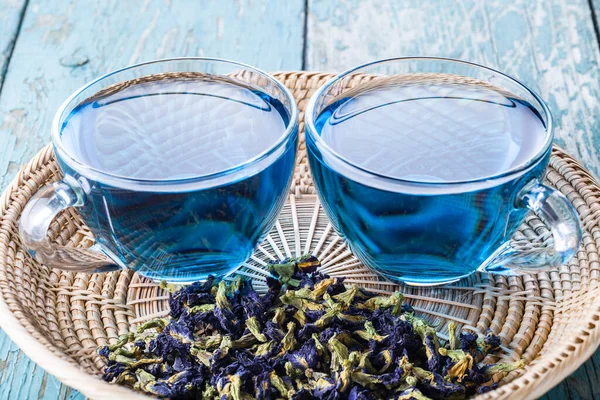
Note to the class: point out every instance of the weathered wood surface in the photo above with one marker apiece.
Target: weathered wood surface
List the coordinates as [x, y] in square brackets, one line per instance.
[550, 45]
[62, 45]
[10, 17]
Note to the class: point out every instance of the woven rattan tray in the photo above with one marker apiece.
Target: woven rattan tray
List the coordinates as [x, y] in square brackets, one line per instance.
[59, 318]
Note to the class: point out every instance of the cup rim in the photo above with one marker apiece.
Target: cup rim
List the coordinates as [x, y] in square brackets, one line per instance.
[118, 180]
[310, 130]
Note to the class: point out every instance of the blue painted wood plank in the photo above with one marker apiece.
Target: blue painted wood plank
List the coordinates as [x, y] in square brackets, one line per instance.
[62, 45]
[11, 12]
[550, 45]
[583, 384]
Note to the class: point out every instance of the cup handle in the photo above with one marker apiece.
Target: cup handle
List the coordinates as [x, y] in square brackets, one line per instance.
[523, 257]
[35, 220]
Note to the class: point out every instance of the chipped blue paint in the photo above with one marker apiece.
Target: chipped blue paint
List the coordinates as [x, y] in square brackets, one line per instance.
[10, 15]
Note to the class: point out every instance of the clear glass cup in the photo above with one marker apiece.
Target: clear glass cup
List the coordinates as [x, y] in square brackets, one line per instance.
[409, 204]
[133, 169]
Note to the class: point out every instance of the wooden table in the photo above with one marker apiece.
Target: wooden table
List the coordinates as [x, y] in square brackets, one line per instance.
[50, 48]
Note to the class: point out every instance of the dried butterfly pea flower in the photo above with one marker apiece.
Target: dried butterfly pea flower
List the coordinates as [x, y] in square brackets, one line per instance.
[487, 388]
[384, 359]
[309, 336]
[347, 298]
[394, 302]
[369, 333]
[122, 341]
[434, 385]
[358, 393]
[279, 317]
[453, 340]
[348, 340]
[410, 394]
[492, 369]
[300, 317]
[369, 381]
[364, 364]
[339, 353]
[308, 264]
[253, 326]
[265, 348]
[244, 341]
[253, 304]
[159, 324]
[321, 287]
[192, 295]
[113, 370]
[306, 357]
[489, 343]
[295, 299]
[461, 363]
[334, 311]
[208, 342]
[273, 331]
[285, 271]
[202, 308]
[133, 363]
[289, 340]
[228, 321]
[432, 345]
[279, 384]
[468, 341]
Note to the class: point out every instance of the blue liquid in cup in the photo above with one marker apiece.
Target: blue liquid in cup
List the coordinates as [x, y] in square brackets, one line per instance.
[407, 140]
[173, 129]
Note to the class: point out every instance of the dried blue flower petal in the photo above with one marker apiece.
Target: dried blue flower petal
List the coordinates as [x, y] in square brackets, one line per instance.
[488, 388]
[273, 331]
[434, 385]
[358, 393]
[393, 378]
[112, 371]
[306, 357]
[308, 264]
[468, 341]
[103, 351]
[309, 336]
[489, 343]
[192, 295]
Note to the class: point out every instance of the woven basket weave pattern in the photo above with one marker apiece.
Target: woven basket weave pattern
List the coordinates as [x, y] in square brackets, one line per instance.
[550, 319]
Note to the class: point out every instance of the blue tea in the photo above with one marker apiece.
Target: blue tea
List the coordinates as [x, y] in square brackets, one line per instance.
[399, 147]
[158, 132]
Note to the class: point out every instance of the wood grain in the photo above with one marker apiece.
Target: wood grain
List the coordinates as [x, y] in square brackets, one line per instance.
[549, 45]
[11, 12]
[62, 45]
[21, 379]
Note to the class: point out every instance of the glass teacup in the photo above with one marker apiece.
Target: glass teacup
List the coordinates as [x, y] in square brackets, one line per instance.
[428, 166]
[179, 168]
